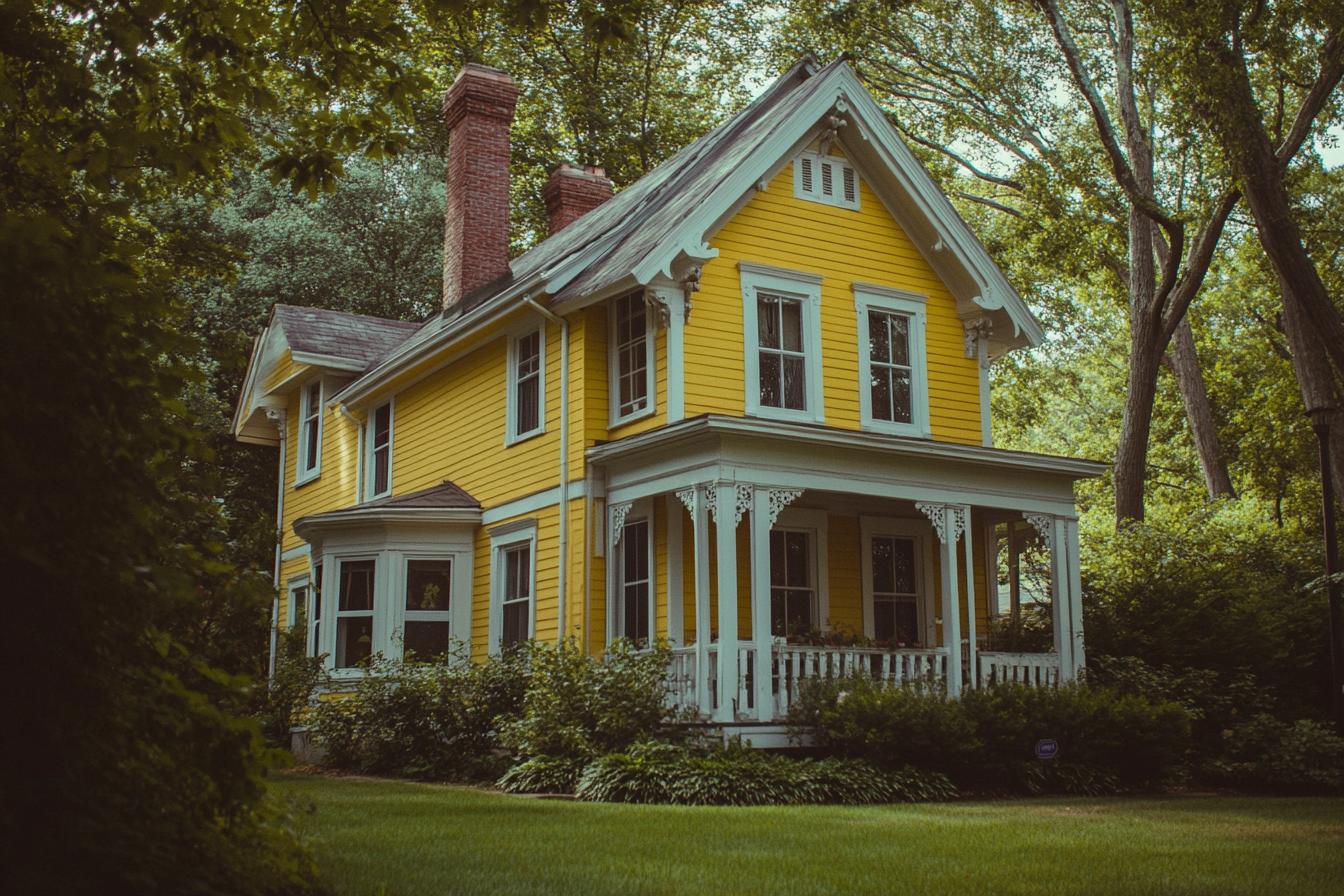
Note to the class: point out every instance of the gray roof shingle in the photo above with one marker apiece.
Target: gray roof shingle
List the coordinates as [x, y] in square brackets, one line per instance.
[351, 337]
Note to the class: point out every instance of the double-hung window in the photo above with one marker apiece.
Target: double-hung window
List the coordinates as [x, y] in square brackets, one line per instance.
[893, 381]
[429, 594]
[527, 375]
[782, 332]
[895, 557]
[632, 365]
[636, 582]
[380, 451]
[309, 460]
[354, 613]
[513, 582]
[792, 585]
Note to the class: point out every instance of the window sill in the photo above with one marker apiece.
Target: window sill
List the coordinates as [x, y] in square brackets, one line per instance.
[512, 440]
[908, 430]
[310, 478]
[631, 418]
[791, 416]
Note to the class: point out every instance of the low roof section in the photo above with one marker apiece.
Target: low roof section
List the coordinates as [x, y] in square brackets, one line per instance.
[440, 504]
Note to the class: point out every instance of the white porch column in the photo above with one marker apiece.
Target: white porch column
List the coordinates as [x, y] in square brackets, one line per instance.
[760, 602]
[944, 519]
[1075, 580]
[964, 517]
[725, 524]
[696, 500]
[1066, 621]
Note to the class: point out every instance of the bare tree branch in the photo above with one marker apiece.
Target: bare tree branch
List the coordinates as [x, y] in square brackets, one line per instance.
[980, 175]
[1332, 70]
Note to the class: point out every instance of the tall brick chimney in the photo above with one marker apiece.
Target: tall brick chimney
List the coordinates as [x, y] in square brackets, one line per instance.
[478, 111]
[572, 192]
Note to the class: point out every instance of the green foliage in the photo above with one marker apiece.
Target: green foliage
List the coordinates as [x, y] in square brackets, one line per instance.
[289, 693]
[1264, 752]
[1219, 589]
[543, 774]
[1031, 631]
[432, 720]
[580, 707]
[985, 740]
[659, 773]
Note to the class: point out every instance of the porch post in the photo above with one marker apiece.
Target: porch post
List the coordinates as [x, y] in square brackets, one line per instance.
[760, 604]
[1052, 530]
[944, 519]
[1069, 529]
[965, 513]
[696, 500]
[725, 525]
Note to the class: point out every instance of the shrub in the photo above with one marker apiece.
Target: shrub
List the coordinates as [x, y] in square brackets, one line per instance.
[433, 720]
[1265, 752]
[289, 693]
[986, 738]
[578, 707]
[660, 773]
[542, 774]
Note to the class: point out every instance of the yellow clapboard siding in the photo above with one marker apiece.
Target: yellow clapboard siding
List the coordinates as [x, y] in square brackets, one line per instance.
[844, 246]
[844, 577]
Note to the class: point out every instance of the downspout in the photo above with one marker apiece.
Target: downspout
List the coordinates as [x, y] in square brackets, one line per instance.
[564, 463]
[359, 452]
[278, 415]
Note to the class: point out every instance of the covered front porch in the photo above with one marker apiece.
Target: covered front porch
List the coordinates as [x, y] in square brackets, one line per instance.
[900, 559]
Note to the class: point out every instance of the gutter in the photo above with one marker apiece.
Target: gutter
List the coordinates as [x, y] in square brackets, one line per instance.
[564, 463]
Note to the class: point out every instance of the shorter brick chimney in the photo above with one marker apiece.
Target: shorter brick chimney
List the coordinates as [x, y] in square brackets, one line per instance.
[478, 111]
[572, 192]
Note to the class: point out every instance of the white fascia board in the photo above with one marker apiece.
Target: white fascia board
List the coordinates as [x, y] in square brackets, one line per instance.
[329, 362]
[249, 382]
[847, 440]
[402, 359]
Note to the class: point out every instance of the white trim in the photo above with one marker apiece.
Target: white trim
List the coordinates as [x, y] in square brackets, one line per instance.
[922, 532]
[806, 289]
[503, 539]
[817, 523]
[837, 167]
[330, 362]
[301, 475]
[614, 362]
[676, 353]
[548, 497]
[302, 550]
[302, 580]
[516, 333]
[369, 428]
[459, 598]
[675, 575]
[867, 297]
[986, 420]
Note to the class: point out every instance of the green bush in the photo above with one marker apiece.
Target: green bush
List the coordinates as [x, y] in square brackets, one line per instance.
[542, 774]
[661, 773]
[1266, 753]
[431, 720]
[288, 695]
[578, 706]
[986, 739]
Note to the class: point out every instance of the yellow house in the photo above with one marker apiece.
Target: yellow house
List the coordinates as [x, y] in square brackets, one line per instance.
[759, 372]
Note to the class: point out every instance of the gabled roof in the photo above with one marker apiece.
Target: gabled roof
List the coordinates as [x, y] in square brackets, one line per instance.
[657, 228]
[443, 503]
[353, 338]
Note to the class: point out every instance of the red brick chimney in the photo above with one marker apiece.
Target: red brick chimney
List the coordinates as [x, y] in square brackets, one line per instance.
[478, 111]
[572, 192]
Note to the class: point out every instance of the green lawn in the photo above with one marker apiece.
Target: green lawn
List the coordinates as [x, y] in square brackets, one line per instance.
[392, 838]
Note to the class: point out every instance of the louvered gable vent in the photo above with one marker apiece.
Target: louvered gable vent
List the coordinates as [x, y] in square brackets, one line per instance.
[837, 185]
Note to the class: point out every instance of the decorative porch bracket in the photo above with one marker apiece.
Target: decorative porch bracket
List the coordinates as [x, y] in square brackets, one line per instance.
[779, 499]
[740, 506]
[280, 416]
[618, 514]
[688, 498]
[1044, 524]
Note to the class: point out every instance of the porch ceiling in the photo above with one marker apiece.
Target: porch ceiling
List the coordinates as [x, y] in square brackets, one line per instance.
[818, 458]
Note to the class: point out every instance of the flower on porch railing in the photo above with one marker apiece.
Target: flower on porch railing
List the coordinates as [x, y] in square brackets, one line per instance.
[803, 634]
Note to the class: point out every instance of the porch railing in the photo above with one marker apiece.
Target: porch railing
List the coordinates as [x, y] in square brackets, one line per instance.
[1038, 669]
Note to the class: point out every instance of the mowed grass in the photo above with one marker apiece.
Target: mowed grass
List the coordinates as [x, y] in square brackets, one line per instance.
[391, 838]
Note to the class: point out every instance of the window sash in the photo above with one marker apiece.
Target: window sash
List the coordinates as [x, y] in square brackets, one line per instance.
[632, 355]
[517, 597]
[636, 581]
[382, 449]
[354, 613]
[527, 384]
[891, 374]
[311, 428]
[783, 356]
[792, 584]
[426, 628]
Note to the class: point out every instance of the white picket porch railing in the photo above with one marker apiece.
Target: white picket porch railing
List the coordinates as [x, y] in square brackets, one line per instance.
[792, 665]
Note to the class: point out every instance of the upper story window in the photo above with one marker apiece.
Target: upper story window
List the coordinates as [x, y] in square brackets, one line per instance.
[782, 330]
[893, 377]
[826, 179]
[632, 369]
[380, 451]
[309, 462]
[527, 372]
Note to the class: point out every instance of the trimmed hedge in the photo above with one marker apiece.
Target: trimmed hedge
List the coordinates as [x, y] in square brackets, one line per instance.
[659, 773]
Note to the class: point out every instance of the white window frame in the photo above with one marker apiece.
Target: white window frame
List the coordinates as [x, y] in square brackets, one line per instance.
[800, 285]
[459, 597]
[378, 633]
[837, 167]
[868, 296]
[614, 364]
[512, 435]
[504, 538]
[922, 533]
[302, 475]
[816, 523]
[297, 583]
[371, 463]
[640, 511]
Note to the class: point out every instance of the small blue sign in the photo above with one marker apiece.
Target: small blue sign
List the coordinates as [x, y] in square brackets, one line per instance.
[1046, 749]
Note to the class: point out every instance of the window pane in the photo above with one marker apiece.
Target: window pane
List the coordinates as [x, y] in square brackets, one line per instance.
[884, 574]
[879, 342]
[637, 612]
[792, 325]
[903, 566]
[515, 622]
[770, 381]
[884, 620]
[777, 573]
[900, 396]
[795, 384]
[356, 585]
[907, 621]
[427, 639]
[310, 437]
[796, 560]
[529, 354]
[428, 584]
[529, 404]
[881, 392]
[382, 425]
[900, 339]
[314, 400]
[767, 321]
[354, 640]
[380, 471]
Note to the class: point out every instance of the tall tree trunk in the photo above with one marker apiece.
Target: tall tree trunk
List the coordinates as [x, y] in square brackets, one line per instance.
[1184, 363]
[1145, 359]
[1315, 378]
